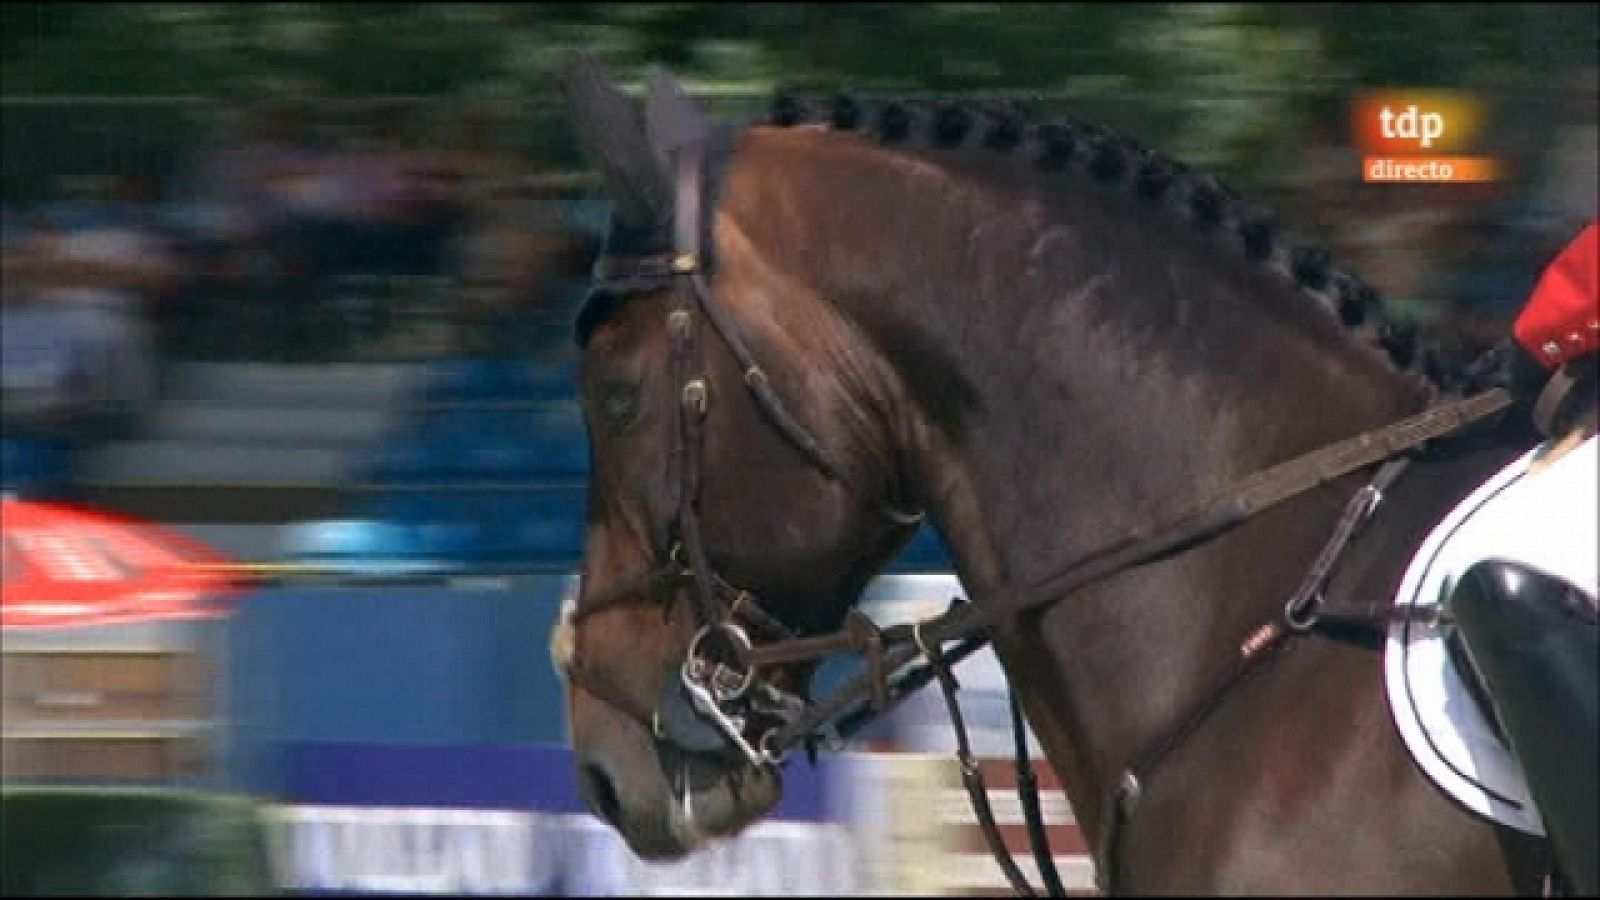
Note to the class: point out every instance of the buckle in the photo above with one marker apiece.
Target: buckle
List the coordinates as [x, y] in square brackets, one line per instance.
[1370, 497]
[694, 396]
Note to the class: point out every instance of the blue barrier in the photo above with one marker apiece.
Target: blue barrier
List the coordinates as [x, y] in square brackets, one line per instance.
[413, 740]
[533, 777]
[406, 664]
[397, 664]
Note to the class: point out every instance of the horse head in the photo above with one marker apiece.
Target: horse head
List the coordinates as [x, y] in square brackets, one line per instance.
[735, 495]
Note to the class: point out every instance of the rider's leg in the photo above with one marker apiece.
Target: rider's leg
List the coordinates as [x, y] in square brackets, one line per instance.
[1533, 640]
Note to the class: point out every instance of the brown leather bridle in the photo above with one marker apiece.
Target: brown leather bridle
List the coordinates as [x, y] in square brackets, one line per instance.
[727, 691]
[724, 683]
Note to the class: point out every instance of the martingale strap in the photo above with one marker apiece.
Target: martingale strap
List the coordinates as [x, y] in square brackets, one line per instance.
[971, 774]
[1304, 607]
[1028, 796]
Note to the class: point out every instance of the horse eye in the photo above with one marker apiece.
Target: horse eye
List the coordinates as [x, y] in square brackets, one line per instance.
[618, 401]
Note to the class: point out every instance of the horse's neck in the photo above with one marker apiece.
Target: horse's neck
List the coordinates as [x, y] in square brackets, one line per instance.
[1070, 431]
[1051, 410]
[1043, 481]
[1033, 432]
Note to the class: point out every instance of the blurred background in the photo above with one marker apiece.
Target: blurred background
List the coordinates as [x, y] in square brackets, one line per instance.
[295, 282]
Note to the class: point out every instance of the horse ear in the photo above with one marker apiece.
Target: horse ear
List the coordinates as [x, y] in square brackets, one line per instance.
[672, 118]
[611, 128]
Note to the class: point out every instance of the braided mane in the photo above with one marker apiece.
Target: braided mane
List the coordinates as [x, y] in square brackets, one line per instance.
[1061, 145]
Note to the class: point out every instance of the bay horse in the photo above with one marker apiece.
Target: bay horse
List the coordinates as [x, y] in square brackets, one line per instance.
[810, 331]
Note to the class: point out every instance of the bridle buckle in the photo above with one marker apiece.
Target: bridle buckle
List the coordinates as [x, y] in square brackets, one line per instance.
[694, 396]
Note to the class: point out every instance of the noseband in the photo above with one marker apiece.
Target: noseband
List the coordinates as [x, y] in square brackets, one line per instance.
[736, 638]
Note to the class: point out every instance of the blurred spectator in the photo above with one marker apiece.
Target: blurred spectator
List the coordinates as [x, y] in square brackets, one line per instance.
[109, 277]
[483, 171]
[499, 281]
[35, 368]
[321, 229]
[41, 355]
[396, 214]
[273, 189]
[516, 274]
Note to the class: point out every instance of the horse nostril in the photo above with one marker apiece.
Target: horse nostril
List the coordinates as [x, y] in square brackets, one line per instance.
[596, 785]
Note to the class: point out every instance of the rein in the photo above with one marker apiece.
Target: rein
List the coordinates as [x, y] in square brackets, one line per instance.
[727, 694]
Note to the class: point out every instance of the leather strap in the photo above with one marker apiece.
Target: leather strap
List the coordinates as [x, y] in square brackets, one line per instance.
[1555, 391]
[1301, 612]
[1028, 796]
[972, 776]
[1125, 793]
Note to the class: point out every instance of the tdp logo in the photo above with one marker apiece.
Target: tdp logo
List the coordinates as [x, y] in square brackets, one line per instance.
[1412, 124]
[1420, 135]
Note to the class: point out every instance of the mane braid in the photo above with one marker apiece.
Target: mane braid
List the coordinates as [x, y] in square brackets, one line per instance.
[1117, 161]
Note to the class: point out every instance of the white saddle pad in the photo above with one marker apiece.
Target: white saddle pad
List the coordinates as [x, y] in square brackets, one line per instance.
[1546, 520]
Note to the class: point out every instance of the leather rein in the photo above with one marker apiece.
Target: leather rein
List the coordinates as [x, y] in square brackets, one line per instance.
[737, 637]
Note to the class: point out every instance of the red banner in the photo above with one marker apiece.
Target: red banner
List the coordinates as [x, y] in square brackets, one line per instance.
[66, 565]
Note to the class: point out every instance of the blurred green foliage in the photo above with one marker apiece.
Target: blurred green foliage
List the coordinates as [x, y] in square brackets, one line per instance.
[1257, 72]
[207, 48]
